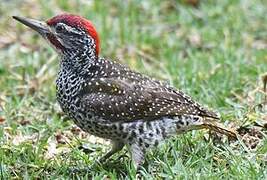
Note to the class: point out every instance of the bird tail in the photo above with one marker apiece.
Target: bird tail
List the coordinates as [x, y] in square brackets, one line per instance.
[212, 124]
[198, 122]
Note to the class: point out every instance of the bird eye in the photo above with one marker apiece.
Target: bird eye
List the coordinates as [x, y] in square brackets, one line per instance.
[60, 28]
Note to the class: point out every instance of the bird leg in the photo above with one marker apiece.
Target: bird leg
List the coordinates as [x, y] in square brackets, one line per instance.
[138, 158]
[116, 147]
[138, 155]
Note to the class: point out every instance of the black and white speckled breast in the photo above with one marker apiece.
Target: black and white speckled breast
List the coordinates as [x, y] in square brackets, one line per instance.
[68, 86]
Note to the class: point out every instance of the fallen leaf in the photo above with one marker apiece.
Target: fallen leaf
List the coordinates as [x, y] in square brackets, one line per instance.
[264, 80]
[21, 138]
[86, 148]
[53, 149]
[75, 130]
[259, 44]
[2, 120]
[7, 39]
[194, 3]
[33, 85]
[24, 122]
[251, 137]
[167, 6]
[195, 39]
[60, 138]
[265, 122]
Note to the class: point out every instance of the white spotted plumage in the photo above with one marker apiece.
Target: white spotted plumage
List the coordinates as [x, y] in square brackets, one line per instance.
[109, 100]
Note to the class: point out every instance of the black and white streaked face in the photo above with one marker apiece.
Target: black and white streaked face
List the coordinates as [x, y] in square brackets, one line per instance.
[72, 36]
[71, 39]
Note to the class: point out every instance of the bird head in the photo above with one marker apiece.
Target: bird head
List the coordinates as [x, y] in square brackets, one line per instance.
[67, 33]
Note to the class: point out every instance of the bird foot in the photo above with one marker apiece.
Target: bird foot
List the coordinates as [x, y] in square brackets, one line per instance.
[76, 170]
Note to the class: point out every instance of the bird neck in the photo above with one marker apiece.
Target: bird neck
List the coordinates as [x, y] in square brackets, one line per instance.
[79, 60]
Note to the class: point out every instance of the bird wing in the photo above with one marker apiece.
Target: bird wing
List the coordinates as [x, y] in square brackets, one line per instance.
[135, 97]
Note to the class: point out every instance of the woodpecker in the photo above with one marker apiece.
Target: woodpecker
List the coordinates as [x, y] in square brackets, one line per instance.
[108, 100]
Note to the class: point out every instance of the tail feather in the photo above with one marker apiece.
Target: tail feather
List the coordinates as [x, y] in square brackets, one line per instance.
[218, 127]
[181, 124]
[198, 122]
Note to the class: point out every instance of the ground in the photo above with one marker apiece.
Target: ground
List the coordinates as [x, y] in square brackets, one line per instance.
[216, 51]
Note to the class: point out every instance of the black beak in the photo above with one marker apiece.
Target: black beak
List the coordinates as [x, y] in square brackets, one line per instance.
[39, 26]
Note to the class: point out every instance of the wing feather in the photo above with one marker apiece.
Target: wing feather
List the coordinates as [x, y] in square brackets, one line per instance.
[136, 97]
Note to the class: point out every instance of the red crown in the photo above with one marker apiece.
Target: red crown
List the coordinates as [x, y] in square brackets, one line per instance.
[77, 21]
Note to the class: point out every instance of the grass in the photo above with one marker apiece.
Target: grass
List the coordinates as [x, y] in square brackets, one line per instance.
[216, 52]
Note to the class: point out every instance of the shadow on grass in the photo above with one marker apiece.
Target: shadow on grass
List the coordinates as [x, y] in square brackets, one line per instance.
[118, 167]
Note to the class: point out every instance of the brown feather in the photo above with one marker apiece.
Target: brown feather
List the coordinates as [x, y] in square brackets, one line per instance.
[134, 97]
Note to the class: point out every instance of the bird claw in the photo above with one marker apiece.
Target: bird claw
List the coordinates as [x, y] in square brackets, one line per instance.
[138, 173]
[76, 170]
